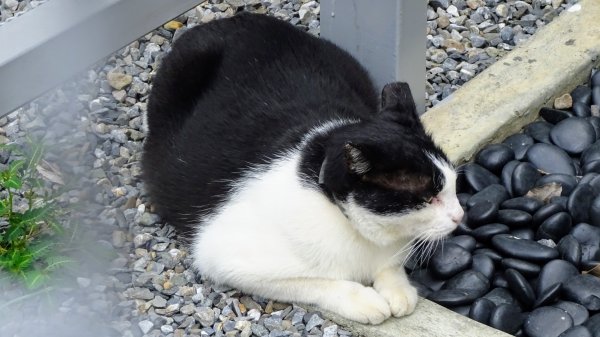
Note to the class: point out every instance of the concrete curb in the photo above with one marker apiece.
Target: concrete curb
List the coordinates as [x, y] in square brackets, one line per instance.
[509, 94]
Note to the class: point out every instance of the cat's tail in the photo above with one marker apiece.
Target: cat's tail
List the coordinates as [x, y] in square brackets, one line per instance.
[184, 74]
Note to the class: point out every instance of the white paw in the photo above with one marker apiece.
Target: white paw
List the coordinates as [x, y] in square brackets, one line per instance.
[402, 299]
[361, 304]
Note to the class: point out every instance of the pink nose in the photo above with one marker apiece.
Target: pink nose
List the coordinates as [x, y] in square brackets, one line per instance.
[457, 215]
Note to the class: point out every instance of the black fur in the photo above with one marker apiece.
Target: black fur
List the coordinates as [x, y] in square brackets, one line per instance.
[235, 93]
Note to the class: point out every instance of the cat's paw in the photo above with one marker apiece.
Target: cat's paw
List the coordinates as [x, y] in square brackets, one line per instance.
[402, 299]
[362, 304]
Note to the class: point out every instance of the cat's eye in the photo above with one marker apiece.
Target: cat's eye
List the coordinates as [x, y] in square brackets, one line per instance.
[428, 199]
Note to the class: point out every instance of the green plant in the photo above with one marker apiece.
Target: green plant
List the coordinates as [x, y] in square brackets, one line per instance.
[29, 231]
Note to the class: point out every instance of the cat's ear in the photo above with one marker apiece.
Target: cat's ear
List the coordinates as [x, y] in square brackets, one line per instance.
[397, 101]
[355, 159]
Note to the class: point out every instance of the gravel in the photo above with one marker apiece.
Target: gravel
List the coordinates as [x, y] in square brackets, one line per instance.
[145, 286]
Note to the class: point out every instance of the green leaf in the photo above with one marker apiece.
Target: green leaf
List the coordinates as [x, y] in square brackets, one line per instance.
[41, 248]
[37, 214]
[14, 232]
[13, 182]
[56, 262]
[15, 166]
[34, 278]
[35, 153]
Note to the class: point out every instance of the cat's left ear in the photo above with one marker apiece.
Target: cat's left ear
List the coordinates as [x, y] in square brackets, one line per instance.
[397, 100]
[356, 160]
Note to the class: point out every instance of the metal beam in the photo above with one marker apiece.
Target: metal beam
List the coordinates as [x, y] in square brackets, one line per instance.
[386, 36]
[53, 42]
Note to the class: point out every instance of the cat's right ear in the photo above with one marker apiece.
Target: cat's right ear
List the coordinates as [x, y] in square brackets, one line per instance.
[396, 99]
[356, 161]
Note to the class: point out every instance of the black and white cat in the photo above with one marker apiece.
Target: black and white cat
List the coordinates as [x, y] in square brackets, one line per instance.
[268, 146]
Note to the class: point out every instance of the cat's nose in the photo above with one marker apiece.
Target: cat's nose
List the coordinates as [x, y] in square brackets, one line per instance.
[457, 215]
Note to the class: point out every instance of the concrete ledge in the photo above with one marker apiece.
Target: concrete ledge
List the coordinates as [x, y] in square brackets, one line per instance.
[509, 94]
[429, 319]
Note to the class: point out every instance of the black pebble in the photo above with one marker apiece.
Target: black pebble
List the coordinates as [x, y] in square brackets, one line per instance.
[506, 175]
[494, 193]
[483, 212]
[580, 202]
[483, 264]
[595, 121]
[555, 271]
[523, 178]
[548, 296]
[425, 277]
[470, 280]
[501, 296]
[499, 281]
[481, 310]
[595, 212]
[576, 331]
[452, 297]
[581, 110]
[583, 289]
[486, 232]
[569, 249]
[462, 199]
[523, 249]
[591, 167]
[553, 115]
[545, 212]
[582, 94]
[567, 182]
[450, 260]
[465, 241]
[560, 200]
[593, 324]
[596, 95]
[528, 269]
[523, 233]
[547, 322]
[592, 153]
[578, 312]
[550, 159]
[492, 254]
[519, 143]
[573, 135]
[595, 185]
[514, 218]
[519, 286]
[555, 227]
[462, 309]
[539, 131]
[589, 239]
[479, 177]
[507, 318]
[494, 156]
[529, 205]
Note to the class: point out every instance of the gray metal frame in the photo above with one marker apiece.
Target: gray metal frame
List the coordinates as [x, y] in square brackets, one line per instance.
[386, 36]
[54, 42]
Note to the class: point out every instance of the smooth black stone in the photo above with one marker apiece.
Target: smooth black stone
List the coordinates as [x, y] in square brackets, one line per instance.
[528, 269]
[555, 227]
[486, 232]
[526, 204]
[494, 193]
[588, 178]
[492, 254]
[576, 331]
[589, 265]
[573, 135]
[591, 167]
[462, 199]
[450, 260]
[592, 153]
[523, 178]
[462, 309]
[549, 296]
[578, 312]
[470, 280]
[514, 218]
[554, 272]
[500, 281]
[569, 250]
[422, 289]
[481, 310]
[593, 324]
[581, 110]
[452, 297]
[595, 212]
[595, 79]
[560, 201]
[506, 175]
[553, 115]
[550, 159]
[539, 131]
[583, 289]
[547, 322]
[582, 94]
[595, 185]
[589, 239]
[519, 286]
[596, 95]
[507, 318]
[462, 229]
[479, 177]
[523, 249]
[483, 264]
[567, 182]
[426, 278]
[577, 167]
[523, 233]
[465, 241]
[595, 121]
[501, 296]
[494, 156]
[483, 212]
[519, 143]
[580, 202]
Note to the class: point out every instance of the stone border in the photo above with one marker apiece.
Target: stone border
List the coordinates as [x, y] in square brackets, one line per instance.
[496, 103]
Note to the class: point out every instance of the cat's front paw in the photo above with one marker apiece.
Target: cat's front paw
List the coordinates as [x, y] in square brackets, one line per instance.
[402, 299]
[362, 304]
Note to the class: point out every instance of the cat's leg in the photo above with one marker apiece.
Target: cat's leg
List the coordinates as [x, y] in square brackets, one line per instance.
[351, 300]
[393, 285]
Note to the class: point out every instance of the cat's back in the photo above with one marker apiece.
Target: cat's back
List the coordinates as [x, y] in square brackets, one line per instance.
[231, 95]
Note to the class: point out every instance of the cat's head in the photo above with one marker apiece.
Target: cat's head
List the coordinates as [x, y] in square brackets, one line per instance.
[389, 178]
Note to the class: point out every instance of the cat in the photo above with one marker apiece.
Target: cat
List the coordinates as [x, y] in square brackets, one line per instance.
[269, 149]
